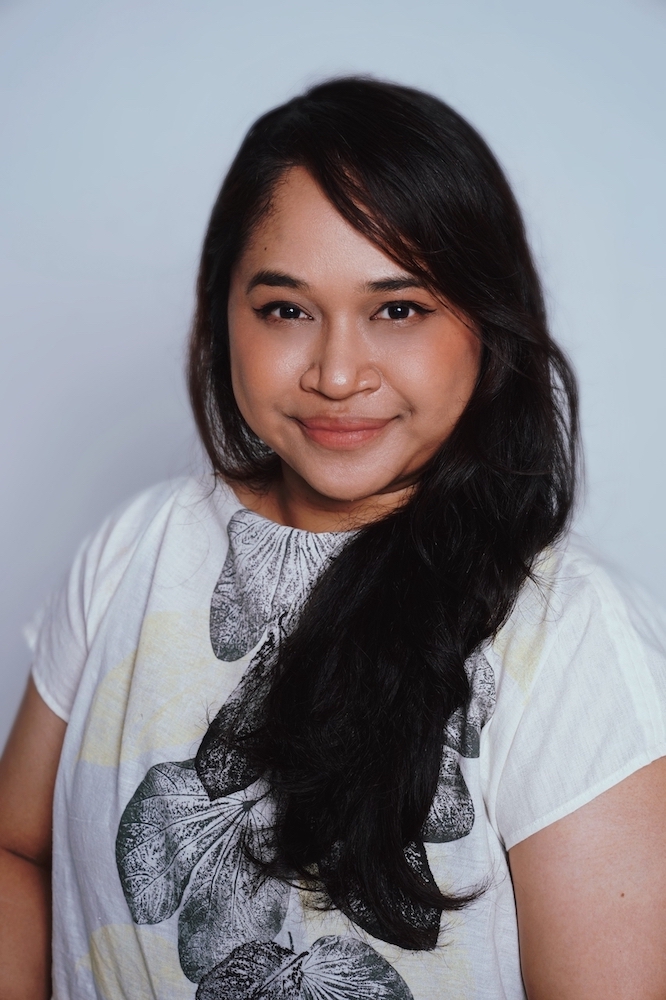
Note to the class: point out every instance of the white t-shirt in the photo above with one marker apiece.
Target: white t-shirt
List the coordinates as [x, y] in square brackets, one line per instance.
[156, 629]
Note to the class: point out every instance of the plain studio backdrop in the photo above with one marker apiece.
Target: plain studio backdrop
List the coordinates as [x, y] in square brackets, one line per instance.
[118, 120]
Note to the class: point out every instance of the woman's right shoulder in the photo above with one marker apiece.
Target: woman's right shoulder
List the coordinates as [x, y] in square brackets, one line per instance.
[158, 538]
[166, 513]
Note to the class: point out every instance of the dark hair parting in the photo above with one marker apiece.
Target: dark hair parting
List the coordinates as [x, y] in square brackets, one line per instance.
[352, 730]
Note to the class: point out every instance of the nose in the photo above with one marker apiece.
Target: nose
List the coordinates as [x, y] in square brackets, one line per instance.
[341, 365]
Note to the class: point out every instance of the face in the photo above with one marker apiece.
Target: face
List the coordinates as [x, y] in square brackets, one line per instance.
[342, 362]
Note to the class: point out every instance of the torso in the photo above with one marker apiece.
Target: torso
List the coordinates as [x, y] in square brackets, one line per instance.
[154, 892]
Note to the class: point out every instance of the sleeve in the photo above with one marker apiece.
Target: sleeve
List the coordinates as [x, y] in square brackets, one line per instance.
[595, 710]
[60, 633]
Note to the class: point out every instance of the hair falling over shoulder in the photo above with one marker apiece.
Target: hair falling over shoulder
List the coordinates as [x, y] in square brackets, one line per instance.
[353, 726]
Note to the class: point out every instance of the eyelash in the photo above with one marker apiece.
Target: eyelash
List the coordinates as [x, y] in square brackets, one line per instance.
[265, 311]
[405, 303]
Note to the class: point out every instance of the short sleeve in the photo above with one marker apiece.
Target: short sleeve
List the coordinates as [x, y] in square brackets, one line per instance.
[60, 633]
[57, 635]
[595, 709]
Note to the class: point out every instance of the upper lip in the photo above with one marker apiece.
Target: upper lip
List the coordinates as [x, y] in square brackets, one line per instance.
[343, 424]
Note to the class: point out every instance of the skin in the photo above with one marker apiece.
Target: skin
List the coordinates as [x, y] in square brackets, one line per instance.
[591, 897]
[27, 777]
[354, 397]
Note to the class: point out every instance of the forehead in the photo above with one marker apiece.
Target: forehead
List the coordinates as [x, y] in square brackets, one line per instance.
[304, 234]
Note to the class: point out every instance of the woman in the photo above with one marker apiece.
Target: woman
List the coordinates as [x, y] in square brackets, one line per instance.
[355, 719]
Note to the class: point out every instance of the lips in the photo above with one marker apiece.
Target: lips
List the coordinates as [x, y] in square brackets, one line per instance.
[342, 433]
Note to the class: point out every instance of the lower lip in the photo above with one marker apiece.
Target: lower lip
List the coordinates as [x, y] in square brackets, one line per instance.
[343, 439]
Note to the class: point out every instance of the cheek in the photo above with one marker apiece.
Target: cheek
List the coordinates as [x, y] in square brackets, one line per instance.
[440, 380]
[264, 372]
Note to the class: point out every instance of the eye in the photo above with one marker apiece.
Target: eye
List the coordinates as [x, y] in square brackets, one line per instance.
[401, 310]
[282, 310]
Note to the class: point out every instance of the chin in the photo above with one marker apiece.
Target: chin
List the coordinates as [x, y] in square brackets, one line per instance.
[344, 488]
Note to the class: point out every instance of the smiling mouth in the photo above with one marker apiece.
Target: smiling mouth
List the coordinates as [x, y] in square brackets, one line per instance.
[342, 433]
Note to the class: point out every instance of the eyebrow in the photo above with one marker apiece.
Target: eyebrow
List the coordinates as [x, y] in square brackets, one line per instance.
[275, 279]
[396, 284]
[278, 279]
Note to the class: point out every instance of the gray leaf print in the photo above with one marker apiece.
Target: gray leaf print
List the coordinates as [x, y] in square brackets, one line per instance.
[174, 845]
[463, 730]
[355, 907]
[243, 973]
[167, 825]
[266, 577]
[228, 900]
[335, 968]
[221, 764]
[451, 814]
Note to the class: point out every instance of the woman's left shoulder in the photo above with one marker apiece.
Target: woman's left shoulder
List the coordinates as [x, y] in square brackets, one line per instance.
[580, 673]
[577, 609]
[593, 597]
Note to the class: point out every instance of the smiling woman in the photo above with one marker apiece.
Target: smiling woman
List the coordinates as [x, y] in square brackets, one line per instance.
[355, 717]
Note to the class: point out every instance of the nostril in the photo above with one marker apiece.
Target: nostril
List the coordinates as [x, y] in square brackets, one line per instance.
[341, 381]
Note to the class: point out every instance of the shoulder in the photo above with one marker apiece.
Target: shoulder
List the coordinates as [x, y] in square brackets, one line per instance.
[159, 542]
[577, 603]
[580, 672]
[167, 524]
[163, 514]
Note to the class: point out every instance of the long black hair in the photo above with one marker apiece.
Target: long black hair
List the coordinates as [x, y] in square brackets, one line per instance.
[352, 732]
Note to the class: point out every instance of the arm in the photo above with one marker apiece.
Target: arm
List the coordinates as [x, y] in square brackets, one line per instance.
[591, 897]
[27, 776]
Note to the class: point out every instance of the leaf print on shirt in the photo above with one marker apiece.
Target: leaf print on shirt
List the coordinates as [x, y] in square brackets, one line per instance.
[221, 764]
[451, 815]
[265, 579]
[335, 968]
[175, 846]
[426, 918]
[463, 730]
[188, 835]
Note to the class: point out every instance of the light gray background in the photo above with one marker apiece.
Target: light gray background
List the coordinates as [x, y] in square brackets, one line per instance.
[117, 120]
